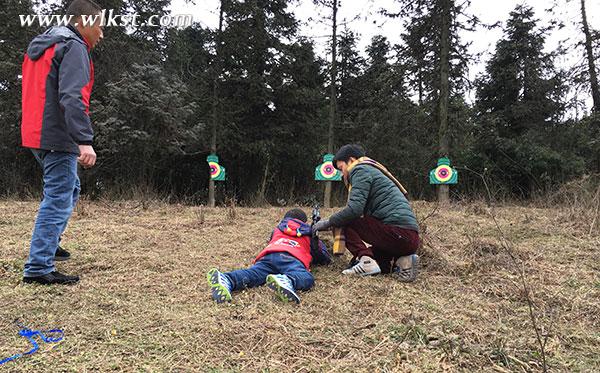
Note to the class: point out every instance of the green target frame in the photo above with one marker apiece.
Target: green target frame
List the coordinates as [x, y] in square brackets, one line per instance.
[443, 174]
[217, 172]
[326, 171]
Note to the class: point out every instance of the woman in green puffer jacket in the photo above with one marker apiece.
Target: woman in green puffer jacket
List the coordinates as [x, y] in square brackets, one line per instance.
[377, 213]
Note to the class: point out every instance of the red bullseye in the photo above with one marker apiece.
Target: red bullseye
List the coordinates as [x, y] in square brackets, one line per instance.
[328, 171]
[215, 170]
[443, 173]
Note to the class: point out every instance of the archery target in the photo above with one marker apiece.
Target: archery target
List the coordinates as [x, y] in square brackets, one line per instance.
[215, 170]
[327, 170]
[443, 173]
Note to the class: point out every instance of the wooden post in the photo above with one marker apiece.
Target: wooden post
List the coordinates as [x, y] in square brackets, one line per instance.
[332, 99]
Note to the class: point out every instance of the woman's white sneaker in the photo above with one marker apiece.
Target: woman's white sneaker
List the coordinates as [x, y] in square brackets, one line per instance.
[407, 268]
[365, 267]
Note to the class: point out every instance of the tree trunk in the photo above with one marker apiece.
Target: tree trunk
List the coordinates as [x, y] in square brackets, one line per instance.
[444, 150]
[333, 98]
[215, 106]
[420, 78]
[590, 58]
[263, 186]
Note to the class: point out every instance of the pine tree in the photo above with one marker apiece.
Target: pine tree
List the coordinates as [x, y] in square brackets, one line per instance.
[256, 45]
[16, 165]
[521, 83]
[350, 67]
[390, 125]
[437, 58]
[144, 126]
[519, 103]
[591, 61]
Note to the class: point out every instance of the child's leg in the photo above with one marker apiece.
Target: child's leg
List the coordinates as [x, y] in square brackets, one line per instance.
[301, 278]
[251, 277]
[220, 285]
[292, 276]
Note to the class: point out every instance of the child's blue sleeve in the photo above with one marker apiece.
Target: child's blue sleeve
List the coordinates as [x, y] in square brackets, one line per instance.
[320, 254]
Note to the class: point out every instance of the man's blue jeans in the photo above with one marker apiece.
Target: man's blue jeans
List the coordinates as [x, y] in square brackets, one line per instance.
[61, 192]
[275, 263]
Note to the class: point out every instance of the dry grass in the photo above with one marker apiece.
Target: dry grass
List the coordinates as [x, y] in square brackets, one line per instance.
[143, 303]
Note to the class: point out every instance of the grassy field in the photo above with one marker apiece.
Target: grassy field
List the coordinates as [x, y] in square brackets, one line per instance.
[143, 304]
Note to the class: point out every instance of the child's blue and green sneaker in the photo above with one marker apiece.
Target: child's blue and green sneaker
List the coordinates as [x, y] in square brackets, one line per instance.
[220, 286]
[283, 287]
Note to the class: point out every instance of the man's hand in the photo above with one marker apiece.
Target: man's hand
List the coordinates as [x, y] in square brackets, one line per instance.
[87, 156]
[321, 225]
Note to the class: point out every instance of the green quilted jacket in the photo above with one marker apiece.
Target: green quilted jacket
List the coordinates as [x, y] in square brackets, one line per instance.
[374, 194]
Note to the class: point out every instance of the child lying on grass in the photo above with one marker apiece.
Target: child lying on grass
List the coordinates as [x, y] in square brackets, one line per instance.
[284, 265]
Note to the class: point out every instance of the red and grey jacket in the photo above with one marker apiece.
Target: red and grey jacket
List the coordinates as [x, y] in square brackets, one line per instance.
[292, 236]
[58, 75]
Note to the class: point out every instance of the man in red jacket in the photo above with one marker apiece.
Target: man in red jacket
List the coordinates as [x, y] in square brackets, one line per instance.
[283, 265]
[58, 75]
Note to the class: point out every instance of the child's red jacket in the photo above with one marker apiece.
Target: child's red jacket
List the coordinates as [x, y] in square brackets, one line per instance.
[292, 236]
